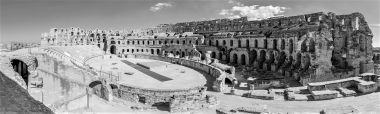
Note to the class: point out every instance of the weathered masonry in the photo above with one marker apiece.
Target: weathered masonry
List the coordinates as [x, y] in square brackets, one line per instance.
[309, 48]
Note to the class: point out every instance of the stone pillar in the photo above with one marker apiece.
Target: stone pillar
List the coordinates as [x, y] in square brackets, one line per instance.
[208, 57]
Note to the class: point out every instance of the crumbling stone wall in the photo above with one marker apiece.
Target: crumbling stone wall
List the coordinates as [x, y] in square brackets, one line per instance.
[309, 48]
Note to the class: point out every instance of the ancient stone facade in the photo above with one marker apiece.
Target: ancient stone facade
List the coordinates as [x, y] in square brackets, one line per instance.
[309, 48]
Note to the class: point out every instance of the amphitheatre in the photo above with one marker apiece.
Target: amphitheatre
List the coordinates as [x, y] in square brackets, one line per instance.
[321, 62]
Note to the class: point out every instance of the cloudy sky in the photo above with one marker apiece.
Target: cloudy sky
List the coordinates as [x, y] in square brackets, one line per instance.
[25, 20]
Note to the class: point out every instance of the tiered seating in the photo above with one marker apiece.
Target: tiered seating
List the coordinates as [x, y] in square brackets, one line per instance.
[80, 53]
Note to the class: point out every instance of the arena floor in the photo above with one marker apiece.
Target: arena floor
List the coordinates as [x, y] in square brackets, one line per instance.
[167, 76]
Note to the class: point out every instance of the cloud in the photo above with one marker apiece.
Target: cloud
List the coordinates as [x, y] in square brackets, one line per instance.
[235, 2]
[253, 12]
[159, 6]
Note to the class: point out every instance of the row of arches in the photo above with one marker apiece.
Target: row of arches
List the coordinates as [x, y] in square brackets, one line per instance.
[141, 50]
[269, 60]
[278, 44]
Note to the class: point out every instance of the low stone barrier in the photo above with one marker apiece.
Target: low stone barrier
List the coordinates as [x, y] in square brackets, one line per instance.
[217, 74]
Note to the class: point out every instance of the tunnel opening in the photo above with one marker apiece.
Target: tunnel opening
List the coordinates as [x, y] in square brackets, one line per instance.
[113, 49]
[22, 69]
[163, 106]
[228, 82]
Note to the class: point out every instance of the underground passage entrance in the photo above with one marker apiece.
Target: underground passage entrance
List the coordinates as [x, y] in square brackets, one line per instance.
[228, 82]
[22, 69]
[163, 106]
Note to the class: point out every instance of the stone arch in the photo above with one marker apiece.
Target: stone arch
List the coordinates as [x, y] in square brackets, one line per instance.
[252, 56]
[262, 59]
[183, 54]
[228, 82]
[282, 44]
[303, 46]
[242, 58]
[113, 49]
[22, 69]
[298, 60]
[270, 61]
[265, 43]
[291, 46]
[213, 55]
[220, 56]
[275, 44]
[247, 43]
[256, 43]
[306, 62]
[99, 89]
[311, 45]
[234, 58]
[281, 59]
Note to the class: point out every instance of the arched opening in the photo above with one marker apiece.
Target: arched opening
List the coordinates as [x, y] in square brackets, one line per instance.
[291, 46]
[242, 59]
[220, 56]
[303, 46]
[224, 43]
[183, 42]
[152, 51]
[231, 43]
[115, 90]
[247, 43]
[213, 55]
[113, 49]
[306, 62]
[239, 43]
[163, 106]
[22, 69]
[99, 45]
[183, 54]
[270, 62]
[158, 51]
[275, 44]
[298, 61]
[256, 43]
[228, 82]
[311, 46]
[217, 43]
[177, 53]
[177, 41]
[282, 44]
[196, 42]
[97, 88]
[265, 43]
[252, 56]
[209, 43]
[281, 59]
[235, 59]
[262, 59]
